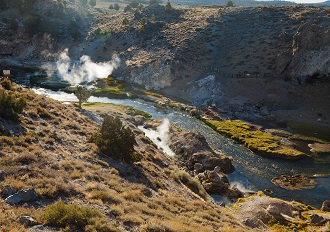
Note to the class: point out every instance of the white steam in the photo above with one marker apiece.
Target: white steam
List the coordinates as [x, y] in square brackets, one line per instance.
[86, 70]
[160, 136]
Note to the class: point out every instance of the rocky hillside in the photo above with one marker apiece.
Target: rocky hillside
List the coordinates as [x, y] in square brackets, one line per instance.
[53, 178]
[251, 63]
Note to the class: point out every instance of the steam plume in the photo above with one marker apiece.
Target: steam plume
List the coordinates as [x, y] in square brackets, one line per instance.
[86, 70]
[160, 136]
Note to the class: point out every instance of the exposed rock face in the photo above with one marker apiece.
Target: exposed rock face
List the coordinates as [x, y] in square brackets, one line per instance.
[217, 183]
[311, 45]
[326, 206]
[21, 196]
[191, 148]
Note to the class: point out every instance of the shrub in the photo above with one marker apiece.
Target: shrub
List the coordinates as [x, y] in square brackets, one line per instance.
[115, 140]
[6, 84]
[230, 3]
[75, 217]
[11, 104]
[116, 6]
[92, 3]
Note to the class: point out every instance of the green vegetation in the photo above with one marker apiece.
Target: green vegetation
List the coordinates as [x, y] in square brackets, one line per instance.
[258, 141]
[116, 6]
[134, 111]
[92, 3]
[11, 103]
[115, 140]
[230, 3]
[74, 217]
[168, 6]
[193, 184]
[110, 88]
[82, 94]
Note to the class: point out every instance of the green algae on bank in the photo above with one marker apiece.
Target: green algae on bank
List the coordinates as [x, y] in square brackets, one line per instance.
[258, 141]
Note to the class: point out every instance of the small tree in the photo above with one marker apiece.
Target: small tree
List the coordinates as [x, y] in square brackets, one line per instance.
[127, 8]
[230, 3]
[116, 6]
[111, 7]
[82, 94]
[134, 4]
[168, 6]
[152, 2]
[92, 3]
[115, 140]
[125, 22]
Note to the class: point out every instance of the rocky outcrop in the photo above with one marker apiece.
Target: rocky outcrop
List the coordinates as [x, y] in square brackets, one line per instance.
[192, 148]
[311, 45]
[215, 182]
[257, 211]
[22, 196]
[27, 221]
[326, 206]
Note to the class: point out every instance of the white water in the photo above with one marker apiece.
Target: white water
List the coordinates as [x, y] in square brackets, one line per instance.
[160, 136]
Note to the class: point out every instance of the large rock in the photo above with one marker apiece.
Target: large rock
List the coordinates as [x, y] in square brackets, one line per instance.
[213, 182]
[326, 206]
[278, 209]
[27, 221]
[22, 196]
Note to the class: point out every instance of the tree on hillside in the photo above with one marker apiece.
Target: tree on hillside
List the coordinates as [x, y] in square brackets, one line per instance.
[168, 6]
[111, 7]
[134, 4]
[82, 94]
[230, 3]
[152, 2]
[115, 140]
[92, 3]
[116, 6]
[125, 21]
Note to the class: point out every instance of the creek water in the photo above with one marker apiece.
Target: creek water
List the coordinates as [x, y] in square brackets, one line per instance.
[252, 172]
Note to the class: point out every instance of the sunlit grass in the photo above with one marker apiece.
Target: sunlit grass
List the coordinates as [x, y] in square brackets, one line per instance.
[258, 141]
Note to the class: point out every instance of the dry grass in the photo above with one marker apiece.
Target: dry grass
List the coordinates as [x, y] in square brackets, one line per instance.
[62, 164]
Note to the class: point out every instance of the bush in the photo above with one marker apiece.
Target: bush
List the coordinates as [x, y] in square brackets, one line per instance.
[115, 140]
[11, 104]
[116, 6]
[230, 3]
[74, 217]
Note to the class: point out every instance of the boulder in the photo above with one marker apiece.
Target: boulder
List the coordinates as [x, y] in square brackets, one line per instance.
[2, 175]
[22, 196]
[277, 209]
[198, 167]
[317, 220]
[326, 206]
[213, 182]
[27, 221]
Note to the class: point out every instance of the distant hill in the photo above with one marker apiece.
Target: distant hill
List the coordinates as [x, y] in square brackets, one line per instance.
[236, 2]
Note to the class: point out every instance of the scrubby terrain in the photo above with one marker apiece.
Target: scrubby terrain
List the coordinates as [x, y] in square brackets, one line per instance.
[268, 65]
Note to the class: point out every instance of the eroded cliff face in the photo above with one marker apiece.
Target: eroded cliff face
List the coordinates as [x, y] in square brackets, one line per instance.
[310, 51]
